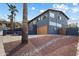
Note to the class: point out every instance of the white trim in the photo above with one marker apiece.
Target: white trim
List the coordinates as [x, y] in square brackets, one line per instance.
[52, 15]
[55, 24]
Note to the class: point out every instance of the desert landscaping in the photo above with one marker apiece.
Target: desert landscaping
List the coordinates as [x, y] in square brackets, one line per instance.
[40, 45]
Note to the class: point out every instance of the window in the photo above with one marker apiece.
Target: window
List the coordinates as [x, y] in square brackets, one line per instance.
[39, 19]
[44, 17]
[34, 22]
[52, 15]
[55, 24]
[59, 17]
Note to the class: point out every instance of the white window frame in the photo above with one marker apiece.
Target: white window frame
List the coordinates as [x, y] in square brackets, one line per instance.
[55, 24]
[52, 15]
[35, 21]
[39, 19]
[60, 17]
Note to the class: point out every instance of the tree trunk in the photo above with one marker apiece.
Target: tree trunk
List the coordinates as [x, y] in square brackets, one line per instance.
[12, 25]
[25, 25]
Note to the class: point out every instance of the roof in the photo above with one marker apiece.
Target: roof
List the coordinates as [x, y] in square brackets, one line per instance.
[47, 11]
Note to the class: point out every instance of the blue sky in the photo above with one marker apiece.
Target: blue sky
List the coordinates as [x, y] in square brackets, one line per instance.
[70, 9]
[34, 9]
[4, 12]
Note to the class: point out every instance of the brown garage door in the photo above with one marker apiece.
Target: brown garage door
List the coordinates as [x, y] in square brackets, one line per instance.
[42, 30]
[62, 31]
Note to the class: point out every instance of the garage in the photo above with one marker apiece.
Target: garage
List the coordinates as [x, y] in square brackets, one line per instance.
[42, 30]
[62, 31]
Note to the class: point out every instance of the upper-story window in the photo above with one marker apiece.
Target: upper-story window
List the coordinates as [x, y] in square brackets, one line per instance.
[39, 18]
[59, 17]
[44, 16]
[35, 21]
[52, 15]
[55, 24]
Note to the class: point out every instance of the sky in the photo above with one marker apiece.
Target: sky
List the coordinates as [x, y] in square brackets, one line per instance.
[70, 9]
[4, 12]
[34, 9]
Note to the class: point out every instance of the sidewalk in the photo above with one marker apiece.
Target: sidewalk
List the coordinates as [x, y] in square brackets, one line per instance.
[2, 51]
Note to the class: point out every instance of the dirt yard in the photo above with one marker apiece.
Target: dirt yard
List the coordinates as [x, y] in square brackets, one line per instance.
[40, 45]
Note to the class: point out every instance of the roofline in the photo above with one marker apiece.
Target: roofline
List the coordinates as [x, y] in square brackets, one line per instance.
[47, 11]
[39, 15]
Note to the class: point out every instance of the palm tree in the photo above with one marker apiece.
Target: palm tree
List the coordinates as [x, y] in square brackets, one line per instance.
[25, 25]
[13, 10]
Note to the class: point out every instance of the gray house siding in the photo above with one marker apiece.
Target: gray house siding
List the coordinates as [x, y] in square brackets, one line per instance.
[56, 19]
[54, 29]
[46, 21]
[43, 21]
[39, 23]
[32, 29]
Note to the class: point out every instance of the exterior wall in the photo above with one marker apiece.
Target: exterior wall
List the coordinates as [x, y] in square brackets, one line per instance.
[3, 26]
[40, 22]
[32, 29]
[43, 22]
[56, 19]
[1, 32]
[53, 30]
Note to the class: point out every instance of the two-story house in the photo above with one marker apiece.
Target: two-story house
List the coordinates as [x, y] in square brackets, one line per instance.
[48, 22]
